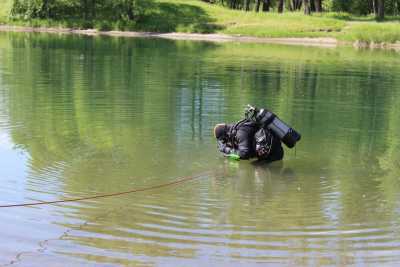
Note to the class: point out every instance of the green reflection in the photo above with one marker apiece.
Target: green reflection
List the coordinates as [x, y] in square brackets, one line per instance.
[107, 114]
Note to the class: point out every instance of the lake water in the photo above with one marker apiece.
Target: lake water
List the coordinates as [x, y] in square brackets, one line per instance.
[81, 116]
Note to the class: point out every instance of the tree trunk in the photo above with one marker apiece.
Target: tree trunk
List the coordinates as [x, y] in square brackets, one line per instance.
[247, 5]
[129, 10]
[312, 5]
[297, 4]
[381, 10]
[44, 10]
[290, 7]
[233, 4]
[237, 4]
[93, 7]
[266, 5]
[398, 7]
[318, 5]
[258, 3]
[375, 7]
[307, 8]
[280, 6]
[85, 9]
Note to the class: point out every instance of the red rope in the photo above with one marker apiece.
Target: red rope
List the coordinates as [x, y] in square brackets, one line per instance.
[176, 182]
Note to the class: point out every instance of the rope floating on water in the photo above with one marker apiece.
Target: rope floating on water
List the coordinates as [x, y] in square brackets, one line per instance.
[175, 182]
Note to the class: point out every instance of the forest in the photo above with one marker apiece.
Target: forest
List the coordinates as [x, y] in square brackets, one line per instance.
[358, 7]
[131, 10]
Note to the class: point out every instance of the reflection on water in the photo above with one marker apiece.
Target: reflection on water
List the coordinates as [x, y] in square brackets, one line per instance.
[82, 116]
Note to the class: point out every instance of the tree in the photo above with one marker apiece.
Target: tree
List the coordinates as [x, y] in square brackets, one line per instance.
[266, 5]
[356, 7]
[295, 4]
[280, 6]
[312, 5]
[375, 7]
[258, 4]
[381, 10]
[89, 10]
[307, 8]
[318, 5]
[247, 5]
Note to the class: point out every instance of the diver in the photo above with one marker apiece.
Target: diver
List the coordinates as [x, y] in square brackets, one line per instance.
[259, 135]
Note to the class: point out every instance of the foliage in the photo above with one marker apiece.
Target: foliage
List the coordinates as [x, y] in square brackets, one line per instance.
[111, 10]
[132, 10]
[363, 7]
[206, 17]
[177, 16]
[356, 7]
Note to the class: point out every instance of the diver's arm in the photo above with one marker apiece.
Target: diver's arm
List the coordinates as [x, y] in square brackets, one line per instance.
[244, 149]
[227, 150]
[244, 143]
[223, 147]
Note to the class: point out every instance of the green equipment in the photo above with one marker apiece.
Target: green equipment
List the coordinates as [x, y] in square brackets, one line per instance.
[233, 156]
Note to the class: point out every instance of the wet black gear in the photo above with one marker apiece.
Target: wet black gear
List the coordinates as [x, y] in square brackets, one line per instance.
[239, 138]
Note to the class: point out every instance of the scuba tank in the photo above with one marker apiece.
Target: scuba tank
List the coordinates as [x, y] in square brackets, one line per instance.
[267, 119]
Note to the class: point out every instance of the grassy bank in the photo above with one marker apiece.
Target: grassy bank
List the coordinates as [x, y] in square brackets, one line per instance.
[193, 16]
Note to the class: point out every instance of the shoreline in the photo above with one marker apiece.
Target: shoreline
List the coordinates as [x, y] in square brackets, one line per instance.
[328, 42]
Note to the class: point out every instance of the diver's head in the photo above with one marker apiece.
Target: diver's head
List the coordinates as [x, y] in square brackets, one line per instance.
[220, 131]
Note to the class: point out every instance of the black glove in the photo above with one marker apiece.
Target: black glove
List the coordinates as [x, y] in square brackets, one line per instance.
[223, 147]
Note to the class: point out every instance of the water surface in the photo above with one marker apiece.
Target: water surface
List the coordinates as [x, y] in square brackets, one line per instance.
[83, 116]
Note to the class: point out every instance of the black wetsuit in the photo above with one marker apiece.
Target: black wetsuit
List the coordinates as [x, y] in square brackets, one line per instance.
[239, 139]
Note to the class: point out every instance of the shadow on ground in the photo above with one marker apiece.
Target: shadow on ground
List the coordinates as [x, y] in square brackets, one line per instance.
[168, 17]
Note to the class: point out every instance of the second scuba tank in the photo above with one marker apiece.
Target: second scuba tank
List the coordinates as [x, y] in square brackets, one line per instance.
[269, 120]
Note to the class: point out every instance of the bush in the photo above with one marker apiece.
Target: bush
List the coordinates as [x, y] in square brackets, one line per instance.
[111, 10]
[103, 25]
[339, 15]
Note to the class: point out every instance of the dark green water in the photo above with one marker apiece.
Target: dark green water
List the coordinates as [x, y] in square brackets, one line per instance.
[83, 116]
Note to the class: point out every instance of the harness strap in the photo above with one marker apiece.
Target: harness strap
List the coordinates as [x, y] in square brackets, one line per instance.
[233, 130]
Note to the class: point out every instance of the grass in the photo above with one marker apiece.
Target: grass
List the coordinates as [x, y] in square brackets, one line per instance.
[195, 16]
[372, 32]
[223, 20]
